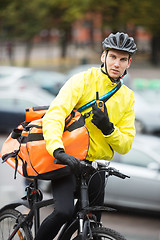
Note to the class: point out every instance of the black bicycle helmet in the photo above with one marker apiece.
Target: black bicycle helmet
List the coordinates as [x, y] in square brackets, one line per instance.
[120, 41]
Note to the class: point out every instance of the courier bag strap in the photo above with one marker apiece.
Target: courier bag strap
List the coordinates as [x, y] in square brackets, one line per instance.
[103, 98]
[13, 154]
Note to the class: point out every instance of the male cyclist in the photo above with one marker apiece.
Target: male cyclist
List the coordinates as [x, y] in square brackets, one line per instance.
[109, 131]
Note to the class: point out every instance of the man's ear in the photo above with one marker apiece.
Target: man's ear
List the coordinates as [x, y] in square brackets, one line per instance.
[103, 56]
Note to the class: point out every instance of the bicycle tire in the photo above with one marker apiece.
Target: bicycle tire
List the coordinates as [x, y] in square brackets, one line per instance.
[8, 220]
[102, 233]
[98, 233]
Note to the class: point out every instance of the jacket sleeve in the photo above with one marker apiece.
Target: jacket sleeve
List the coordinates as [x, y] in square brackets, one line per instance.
[122, 138]
[60, 108]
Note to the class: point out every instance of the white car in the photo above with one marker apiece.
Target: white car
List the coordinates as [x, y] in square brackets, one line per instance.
[9, 75]
[13, 104]
[21, 77]
[147, 115]
[142, 190]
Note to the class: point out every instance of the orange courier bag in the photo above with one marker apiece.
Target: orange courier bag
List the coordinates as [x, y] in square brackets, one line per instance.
[25, 148]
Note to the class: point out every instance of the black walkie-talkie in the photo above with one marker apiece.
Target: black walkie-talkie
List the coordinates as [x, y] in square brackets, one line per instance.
[100, 104]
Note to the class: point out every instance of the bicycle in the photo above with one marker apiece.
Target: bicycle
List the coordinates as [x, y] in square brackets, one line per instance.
[84, 225]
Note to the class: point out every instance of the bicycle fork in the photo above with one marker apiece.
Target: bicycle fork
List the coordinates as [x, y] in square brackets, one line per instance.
[84, 228]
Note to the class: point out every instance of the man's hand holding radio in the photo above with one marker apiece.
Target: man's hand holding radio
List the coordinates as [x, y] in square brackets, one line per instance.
[101, 120]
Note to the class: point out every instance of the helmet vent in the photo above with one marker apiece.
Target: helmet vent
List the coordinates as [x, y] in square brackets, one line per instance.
[120, 41]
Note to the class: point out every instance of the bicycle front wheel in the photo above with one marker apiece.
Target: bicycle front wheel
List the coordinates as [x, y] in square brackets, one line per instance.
[9, 219]
[102, 233]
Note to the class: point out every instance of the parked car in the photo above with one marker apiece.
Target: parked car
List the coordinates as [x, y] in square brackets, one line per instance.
[47, 80]
[13, 104]
[147, 115]
[20, 78]
[142, 190]
[10, 75]
[147, 108]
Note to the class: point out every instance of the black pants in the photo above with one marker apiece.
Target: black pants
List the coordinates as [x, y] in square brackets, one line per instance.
[63, 193]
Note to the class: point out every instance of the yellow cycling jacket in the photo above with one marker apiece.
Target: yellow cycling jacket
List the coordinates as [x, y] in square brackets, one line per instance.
[79, 90]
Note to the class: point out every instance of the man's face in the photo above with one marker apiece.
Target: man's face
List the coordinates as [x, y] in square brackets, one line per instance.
[116, 62]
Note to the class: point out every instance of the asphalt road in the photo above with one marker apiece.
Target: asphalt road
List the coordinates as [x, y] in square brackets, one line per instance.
[132, 226]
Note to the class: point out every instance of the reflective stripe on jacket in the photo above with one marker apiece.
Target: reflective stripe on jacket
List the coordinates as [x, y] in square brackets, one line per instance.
[79, 90]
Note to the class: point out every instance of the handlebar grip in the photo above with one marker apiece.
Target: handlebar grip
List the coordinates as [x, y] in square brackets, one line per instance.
[120, 175]
[115, 172]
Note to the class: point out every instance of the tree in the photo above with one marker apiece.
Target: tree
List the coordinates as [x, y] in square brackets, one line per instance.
[114, 13]
[62, 14]
[22, 20]
[146, 13]
[117, 14]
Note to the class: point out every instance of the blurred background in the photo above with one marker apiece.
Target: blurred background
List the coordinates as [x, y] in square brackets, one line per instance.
[42, 44]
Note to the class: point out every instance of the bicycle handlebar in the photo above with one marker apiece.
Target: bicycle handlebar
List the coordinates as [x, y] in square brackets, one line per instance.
[87, 167]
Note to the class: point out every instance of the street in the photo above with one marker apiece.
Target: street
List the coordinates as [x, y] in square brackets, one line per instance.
[133, 226]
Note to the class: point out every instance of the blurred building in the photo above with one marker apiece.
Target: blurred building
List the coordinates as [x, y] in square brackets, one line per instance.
[88, 31]
[85, 35]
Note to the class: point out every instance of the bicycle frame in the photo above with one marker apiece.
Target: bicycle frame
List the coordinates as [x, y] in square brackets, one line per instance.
[82, 217]
[79, 223]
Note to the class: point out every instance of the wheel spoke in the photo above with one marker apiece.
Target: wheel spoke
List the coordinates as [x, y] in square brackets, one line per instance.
[8, 222]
